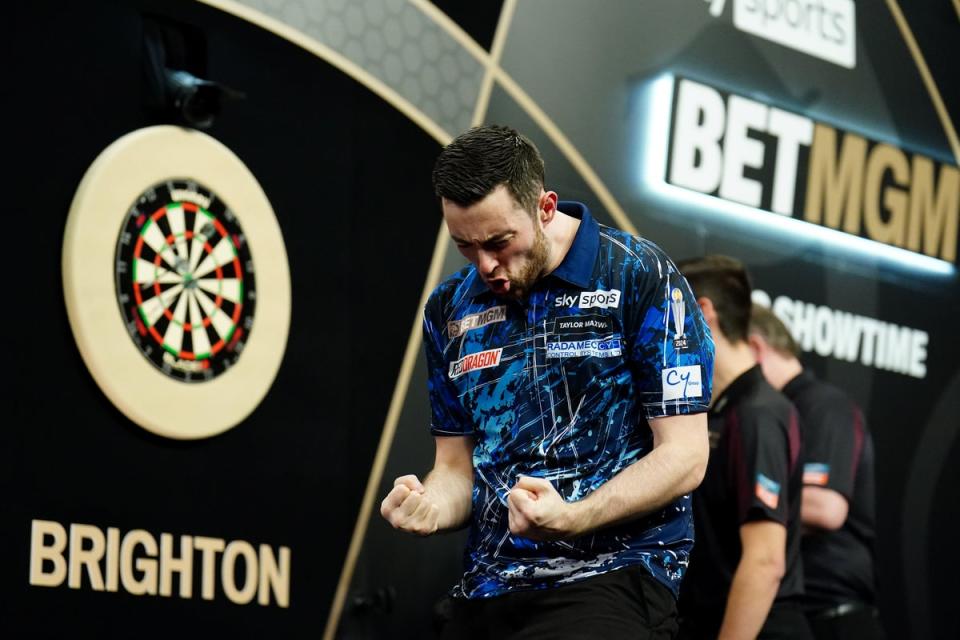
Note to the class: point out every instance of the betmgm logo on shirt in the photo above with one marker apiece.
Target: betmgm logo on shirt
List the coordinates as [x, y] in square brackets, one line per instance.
[456, 328]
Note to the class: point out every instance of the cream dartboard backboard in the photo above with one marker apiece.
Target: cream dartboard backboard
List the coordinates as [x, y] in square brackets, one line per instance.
[176, 282]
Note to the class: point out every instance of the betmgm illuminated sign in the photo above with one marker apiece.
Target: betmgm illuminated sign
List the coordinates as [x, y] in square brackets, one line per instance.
[746, 152]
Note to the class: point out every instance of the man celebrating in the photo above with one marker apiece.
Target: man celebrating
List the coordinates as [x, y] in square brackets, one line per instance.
[838, 506]
[745, 573]
[569, 369]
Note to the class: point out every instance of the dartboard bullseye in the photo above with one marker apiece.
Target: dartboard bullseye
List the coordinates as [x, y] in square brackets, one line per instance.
[185, 280]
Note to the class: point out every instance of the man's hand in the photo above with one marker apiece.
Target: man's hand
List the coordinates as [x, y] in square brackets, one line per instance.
[408, 508]
[538, 512]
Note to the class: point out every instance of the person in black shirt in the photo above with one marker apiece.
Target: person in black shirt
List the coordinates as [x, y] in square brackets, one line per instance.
[745, 577]
[838, 489]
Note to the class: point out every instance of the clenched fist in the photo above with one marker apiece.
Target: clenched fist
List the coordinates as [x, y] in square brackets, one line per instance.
[408, 508]
[538, 512]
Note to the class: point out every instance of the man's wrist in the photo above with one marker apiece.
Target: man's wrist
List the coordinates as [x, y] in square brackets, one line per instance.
[583, 515]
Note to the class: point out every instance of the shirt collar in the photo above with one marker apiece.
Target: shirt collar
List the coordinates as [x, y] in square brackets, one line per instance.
[577, 266]
[798, 383]
[740, 387]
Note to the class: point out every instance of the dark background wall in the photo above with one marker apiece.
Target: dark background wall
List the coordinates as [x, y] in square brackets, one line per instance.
[348, 177]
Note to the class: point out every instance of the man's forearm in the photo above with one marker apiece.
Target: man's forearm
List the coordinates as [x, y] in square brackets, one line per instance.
[671, 470]
[754, 587]
[452, 491]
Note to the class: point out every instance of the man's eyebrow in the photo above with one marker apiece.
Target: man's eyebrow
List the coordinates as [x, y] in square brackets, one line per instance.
[493, 238]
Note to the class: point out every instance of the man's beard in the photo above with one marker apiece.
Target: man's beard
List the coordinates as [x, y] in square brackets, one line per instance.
[521, 283]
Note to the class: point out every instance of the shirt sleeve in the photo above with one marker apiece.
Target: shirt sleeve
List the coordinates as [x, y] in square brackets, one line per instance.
[760, 449]
[834, 438]
[669, 342]
[446, 412]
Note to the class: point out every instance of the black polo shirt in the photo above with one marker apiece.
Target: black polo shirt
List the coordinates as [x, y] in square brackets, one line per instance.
[754, 473]
[838, 455]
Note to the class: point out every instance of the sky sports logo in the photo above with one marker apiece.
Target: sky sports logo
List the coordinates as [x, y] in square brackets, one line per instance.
[825, 29]
[598, 299]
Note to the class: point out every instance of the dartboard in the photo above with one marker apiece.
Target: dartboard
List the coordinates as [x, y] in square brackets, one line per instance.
[185, 281]
[158, 278]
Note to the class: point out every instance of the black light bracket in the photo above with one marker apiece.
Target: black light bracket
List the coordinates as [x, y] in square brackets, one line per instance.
[174, 63]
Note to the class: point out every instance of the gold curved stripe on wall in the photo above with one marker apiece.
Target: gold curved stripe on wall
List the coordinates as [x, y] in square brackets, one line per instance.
[415, 339]
[336, 59]
[386, 438]
[410, 355]
[927, 77]
[496, 52]
[433, 276]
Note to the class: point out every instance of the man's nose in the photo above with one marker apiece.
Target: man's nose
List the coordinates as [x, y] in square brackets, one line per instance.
[487, 262]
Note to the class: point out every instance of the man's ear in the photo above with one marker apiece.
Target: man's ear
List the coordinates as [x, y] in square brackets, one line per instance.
[547, 207]
[758, 345]
[708, 310]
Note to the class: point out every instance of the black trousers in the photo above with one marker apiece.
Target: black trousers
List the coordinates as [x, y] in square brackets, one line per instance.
[860, 622]
[627, 603]
[785, 621]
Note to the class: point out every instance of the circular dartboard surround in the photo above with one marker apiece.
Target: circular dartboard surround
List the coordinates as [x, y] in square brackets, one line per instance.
[176, 282]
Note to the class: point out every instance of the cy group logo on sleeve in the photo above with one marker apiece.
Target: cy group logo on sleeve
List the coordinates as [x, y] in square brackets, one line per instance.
[598, 299]
[474, 362]
[682, 382]
[456, 328]
[816, 473]
[767, 491]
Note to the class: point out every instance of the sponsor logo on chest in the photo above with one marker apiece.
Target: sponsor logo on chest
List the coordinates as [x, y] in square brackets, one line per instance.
[456, 328]
[590, 299]
[581, 348]
[591, 324]
[475, 361]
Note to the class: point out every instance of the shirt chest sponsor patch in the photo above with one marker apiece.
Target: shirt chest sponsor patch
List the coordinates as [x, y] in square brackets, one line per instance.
[589, 299]
[682, 382]
[607, 348]
[583, 325]
[456, 328]
[475, 361]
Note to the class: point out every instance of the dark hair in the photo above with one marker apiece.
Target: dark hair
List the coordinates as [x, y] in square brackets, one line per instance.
[483, 158]
[768, 326]
[724, 280]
